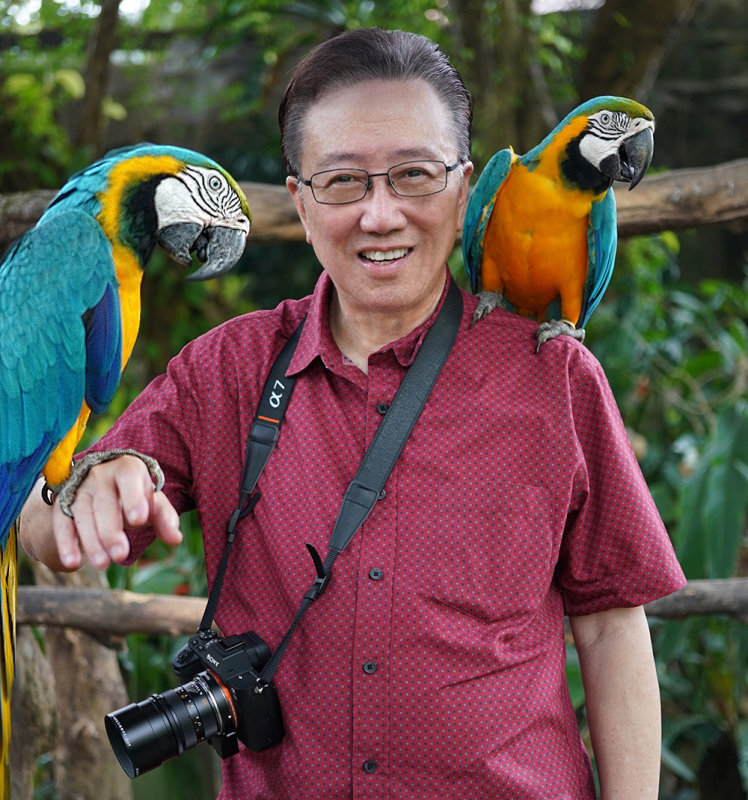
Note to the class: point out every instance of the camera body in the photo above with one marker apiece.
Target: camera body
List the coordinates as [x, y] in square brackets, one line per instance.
[223, 701]
[236, 661]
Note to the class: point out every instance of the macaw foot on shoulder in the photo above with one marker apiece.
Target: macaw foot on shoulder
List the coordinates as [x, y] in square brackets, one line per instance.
[487, 301]
[556, 327]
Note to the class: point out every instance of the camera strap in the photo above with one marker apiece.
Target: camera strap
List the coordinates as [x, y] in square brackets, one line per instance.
[368, 483]
[263, 436]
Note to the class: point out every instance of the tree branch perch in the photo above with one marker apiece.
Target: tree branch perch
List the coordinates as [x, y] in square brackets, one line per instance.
[118, 612]
[682, 198]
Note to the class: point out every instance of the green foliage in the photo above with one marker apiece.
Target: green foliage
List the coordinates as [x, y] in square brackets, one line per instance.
[38, 85]
[685, 399]
[29, 102]
[701, 669]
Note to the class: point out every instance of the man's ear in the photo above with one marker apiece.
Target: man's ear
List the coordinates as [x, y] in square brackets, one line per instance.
[467, 171]
[293, 186]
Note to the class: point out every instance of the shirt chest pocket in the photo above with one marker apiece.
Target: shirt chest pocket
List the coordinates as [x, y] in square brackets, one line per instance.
[500, 550]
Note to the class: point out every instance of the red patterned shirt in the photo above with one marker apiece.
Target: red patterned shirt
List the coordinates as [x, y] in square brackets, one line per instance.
[433, 665]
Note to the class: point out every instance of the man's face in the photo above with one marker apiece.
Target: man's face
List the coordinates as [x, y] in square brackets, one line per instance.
[385, 253]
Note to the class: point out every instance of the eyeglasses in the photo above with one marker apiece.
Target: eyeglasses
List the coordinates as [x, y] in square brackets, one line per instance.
[335, 187]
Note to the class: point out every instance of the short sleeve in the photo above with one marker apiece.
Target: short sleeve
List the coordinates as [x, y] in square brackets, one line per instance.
[615, 551]
[164, 421]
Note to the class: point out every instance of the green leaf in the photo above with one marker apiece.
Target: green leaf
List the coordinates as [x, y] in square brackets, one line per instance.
[111, 109]
[72, 81]
[677, 766]
[574, 677]
[742, 748]
[21, 82]
[714, 501]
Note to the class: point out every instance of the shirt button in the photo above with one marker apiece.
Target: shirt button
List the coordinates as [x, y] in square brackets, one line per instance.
[370, 667]
[370, 766]
[382, 408]
[376, 574]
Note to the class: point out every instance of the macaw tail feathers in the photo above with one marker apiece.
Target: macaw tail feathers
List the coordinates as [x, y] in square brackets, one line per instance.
[8, 595]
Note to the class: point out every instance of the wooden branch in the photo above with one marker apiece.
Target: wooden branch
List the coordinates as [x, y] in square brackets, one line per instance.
[20, 210]
[274, 217]
[114, 611]
[697, 598]
[684, 198]
[118, 612]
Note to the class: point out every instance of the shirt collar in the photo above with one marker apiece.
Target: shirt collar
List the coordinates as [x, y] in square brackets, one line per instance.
[317, 340]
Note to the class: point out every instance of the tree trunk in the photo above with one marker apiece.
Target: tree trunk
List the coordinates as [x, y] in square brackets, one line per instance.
[35, 724]
[87, 685]
[498, 41]
[103, 42]
[627, 44]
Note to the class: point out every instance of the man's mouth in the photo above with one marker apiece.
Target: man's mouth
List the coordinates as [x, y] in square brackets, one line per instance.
[384, 256]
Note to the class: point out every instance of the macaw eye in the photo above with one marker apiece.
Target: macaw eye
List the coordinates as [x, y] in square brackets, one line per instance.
[215, 183]
[605, 118]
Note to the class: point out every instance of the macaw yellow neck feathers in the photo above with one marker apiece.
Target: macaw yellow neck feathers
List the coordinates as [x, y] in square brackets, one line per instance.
[124, 175]
[547, 162]
[121, 177]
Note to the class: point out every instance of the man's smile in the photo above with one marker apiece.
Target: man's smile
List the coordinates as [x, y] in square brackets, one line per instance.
[384, 256]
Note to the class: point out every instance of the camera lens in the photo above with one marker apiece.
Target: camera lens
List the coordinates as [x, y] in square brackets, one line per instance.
[144, 735]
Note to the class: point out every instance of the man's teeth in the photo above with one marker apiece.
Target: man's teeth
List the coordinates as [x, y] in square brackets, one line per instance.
[384, 255]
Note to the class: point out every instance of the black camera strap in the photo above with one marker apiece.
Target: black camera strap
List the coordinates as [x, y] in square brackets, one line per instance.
[263, 436]
[375, 467]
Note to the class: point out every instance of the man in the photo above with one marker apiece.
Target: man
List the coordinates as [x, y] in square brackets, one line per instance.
[433, 665]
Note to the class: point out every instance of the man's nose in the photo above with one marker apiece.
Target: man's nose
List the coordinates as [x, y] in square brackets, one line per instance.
[382, 206]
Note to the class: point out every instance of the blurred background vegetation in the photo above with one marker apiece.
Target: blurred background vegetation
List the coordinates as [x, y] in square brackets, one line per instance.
[77, 78]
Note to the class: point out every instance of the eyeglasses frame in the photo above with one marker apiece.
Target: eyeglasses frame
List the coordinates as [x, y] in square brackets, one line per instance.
[369, 184]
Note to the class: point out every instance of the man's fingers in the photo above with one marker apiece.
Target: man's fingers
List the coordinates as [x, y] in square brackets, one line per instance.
[106, 517]
[142, 505]
[135, 490]
[115, 495]
[66, 539]
[96, 517]
[165, 520]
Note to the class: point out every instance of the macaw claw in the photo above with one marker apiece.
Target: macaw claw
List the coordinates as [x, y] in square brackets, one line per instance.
[487, 301]
[556, 327]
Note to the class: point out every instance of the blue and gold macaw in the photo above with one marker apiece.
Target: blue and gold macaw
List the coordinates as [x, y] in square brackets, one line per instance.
[540, 230]
[70, 313]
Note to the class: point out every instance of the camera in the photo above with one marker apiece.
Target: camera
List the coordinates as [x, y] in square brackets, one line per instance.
[225, 703]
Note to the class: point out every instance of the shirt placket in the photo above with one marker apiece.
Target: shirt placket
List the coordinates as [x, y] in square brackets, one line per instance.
[371, 675]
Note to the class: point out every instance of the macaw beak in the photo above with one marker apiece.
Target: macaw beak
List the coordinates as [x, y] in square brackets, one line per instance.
[636, 156]
[217, 248]
[632, 160]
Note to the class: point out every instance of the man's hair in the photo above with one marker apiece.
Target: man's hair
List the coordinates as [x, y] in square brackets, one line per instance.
[370, 54]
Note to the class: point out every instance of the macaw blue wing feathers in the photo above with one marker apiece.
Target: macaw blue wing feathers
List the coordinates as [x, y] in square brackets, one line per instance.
[602, 240]
[480, 207]
[45, 341]
[103, 327]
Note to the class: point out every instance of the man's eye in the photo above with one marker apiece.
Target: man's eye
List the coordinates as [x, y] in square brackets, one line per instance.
[343, 178]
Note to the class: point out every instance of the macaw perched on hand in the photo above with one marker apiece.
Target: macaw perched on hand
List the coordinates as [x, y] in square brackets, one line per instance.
[70, 313]
[540, 230]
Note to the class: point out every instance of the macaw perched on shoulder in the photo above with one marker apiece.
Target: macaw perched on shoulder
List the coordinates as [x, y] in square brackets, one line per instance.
[70, 313]
[540, 230]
